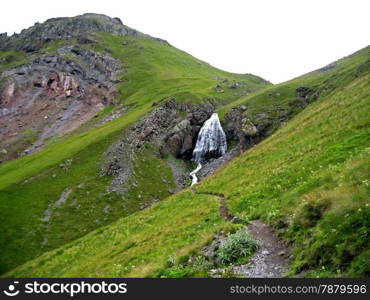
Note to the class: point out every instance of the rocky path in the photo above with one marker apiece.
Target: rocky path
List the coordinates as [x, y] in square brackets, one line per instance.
[272, 258]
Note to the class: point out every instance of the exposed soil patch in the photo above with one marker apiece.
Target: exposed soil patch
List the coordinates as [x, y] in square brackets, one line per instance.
[223, 208]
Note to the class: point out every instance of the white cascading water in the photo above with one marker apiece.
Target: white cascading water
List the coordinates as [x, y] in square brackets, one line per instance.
[211, 142]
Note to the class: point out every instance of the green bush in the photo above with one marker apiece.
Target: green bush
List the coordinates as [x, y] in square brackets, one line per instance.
[237, 247]
[360, 266]
[195, 267]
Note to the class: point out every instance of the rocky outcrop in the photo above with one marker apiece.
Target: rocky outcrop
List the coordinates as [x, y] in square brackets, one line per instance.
[53, 91]
[34, 38]
[214, 164]
[171, 128]
[54, 94]
[240, 127]
[250, 128]
[302, 95]
[181, 138]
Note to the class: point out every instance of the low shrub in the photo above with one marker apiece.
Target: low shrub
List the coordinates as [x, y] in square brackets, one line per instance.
[237, 247]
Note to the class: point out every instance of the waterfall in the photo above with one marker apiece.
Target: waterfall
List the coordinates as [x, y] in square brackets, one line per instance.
[211, 142]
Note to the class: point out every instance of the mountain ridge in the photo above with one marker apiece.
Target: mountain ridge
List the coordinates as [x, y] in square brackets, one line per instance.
[32, 38]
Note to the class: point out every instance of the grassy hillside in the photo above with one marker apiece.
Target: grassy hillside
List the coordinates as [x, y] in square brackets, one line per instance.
[310, 180]
[30, 185]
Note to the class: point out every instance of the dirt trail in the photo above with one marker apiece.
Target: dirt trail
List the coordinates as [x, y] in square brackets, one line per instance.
[224, 211]
[271, 259]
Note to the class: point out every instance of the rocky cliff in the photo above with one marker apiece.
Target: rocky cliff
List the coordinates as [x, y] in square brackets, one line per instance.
[53, 80]
[54, 94]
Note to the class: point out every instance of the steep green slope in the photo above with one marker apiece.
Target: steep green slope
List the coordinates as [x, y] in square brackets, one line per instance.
[30, 185]
[310, 180]
[284, 99]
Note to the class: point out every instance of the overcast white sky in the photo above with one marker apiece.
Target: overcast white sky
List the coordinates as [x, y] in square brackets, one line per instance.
[277, 40]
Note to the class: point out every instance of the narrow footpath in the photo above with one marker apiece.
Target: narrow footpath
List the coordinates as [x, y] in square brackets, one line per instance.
[271, 260]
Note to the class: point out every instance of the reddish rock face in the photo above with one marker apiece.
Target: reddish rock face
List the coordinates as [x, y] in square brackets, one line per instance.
[9, 92]
[61, 84]
[41, 100]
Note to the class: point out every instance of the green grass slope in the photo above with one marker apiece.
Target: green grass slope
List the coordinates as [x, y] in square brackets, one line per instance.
[278, 100]
[30, 184]
[310, 180]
